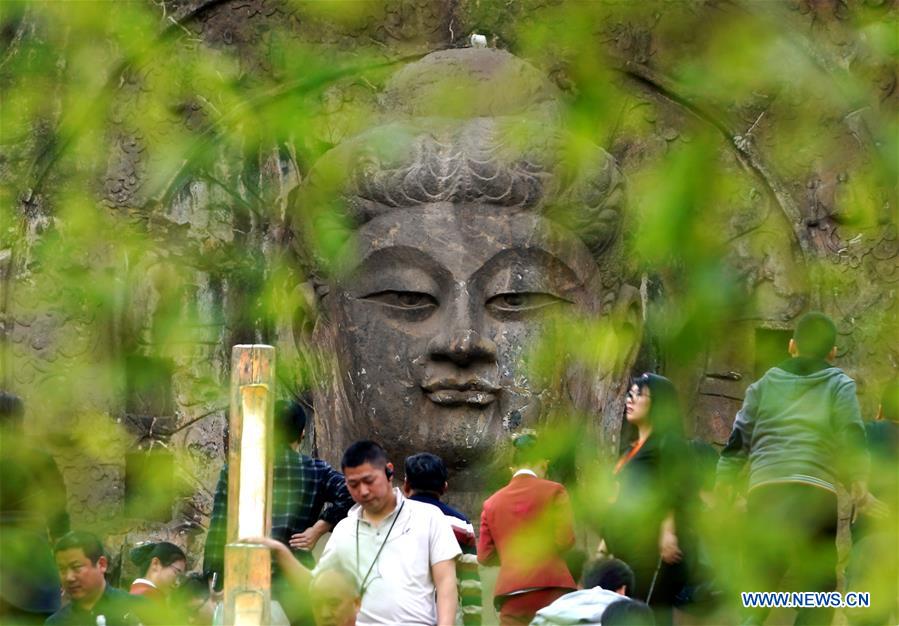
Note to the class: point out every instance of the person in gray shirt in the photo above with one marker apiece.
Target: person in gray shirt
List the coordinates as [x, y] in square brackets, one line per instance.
[800, 432]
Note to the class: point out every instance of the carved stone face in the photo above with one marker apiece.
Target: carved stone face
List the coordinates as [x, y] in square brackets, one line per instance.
[476, 231]
[435, 319]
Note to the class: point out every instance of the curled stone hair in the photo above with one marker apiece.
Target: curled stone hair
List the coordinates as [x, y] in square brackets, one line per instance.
[465, 167]
[502, 147]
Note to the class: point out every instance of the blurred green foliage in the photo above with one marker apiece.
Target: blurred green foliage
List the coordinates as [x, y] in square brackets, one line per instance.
[145, 174]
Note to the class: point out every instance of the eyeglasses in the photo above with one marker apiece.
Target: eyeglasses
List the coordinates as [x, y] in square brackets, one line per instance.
[633, 395]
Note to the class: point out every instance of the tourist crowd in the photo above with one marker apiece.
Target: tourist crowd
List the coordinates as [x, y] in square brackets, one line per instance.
[399, 554]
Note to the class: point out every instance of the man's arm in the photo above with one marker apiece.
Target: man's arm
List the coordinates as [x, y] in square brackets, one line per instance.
[443, 550]
[307, 539]
[486, 547]
[736, 452]
[444, 576]
[854, 460]
[296, 574]
[337, 495]
[850, 431]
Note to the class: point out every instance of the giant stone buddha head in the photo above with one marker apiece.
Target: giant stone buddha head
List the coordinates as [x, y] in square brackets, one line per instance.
[469, 221]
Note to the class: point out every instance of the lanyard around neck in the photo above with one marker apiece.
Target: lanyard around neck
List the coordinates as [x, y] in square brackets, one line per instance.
[363, 585]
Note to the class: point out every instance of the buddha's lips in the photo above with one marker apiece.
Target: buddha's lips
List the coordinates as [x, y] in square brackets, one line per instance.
[449, 392]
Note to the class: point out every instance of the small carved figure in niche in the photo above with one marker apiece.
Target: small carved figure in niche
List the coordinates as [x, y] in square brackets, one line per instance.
[468, 221]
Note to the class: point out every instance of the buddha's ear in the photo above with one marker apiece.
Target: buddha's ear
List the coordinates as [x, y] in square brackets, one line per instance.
[627, 316]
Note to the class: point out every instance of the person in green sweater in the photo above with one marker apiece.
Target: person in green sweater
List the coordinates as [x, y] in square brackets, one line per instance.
[800, 432]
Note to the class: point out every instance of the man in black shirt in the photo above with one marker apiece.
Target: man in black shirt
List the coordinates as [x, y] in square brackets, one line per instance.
[82, 567]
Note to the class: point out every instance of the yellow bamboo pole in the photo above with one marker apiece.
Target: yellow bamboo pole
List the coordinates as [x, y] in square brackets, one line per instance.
[248, 575]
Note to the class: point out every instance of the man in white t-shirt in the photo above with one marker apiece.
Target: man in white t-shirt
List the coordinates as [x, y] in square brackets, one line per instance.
[402, 552]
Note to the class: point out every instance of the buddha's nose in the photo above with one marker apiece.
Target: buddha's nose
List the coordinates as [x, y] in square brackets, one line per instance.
[462, 346]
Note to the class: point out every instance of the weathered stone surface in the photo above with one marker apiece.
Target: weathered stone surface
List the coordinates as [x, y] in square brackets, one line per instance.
[471, 232]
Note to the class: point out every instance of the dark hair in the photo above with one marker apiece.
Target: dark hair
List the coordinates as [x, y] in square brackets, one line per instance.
[363, 452]
[664, 407]
[12, 411]
[609, 574]
[525, 449]
[815, 335]
[426, 472]
[889, 402]
[290, 422]
[167, 553]
[627, 612]
[89, 543]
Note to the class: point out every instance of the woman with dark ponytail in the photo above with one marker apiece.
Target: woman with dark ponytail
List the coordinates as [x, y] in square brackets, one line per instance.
[163, 565]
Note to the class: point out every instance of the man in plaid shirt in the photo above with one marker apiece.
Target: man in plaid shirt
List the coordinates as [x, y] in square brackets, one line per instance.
[309, 496]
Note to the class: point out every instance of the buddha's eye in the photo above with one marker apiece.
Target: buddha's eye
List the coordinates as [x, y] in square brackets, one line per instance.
[416, 304]
[522, 303]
